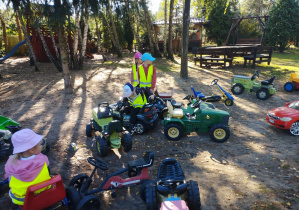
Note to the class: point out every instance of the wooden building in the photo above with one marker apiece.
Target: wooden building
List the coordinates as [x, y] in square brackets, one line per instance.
[195, 33]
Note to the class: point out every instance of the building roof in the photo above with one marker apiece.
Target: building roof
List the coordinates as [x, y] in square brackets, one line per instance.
[178, 20]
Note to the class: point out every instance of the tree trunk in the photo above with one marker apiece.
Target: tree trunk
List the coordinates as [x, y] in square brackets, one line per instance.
[137, 23]
[4, 34]
[29, 46]
[76, 34]
[132, 22]
[109, 30]
[51, 58]
[99, 41]
[54, 44]
[64, 61]
[165, 30]
[170, 33]
[185, 36]
[20, 34]
[84, 40]
[117, 47]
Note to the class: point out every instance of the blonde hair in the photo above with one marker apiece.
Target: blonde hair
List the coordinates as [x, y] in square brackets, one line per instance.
[16, 157]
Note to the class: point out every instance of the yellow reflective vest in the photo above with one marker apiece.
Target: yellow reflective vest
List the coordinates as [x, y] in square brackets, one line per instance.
[146, 81]
[138, 101]
[18, 188]
[135, 78]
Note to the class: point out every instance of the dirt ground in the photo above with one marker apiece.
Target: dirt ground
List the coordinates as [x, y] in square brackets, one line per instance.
[257, 168]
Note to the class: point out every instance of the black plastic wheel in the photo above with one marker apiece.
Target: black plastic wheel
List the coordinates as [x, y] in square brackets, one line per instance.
[151, 198]
[145, 183]
[89, 130]
[289, 86]
[263, 94]
[173, 131]
[126, 142]
[78, 180]
[139, 127]
[229, 102]
[219, 133]
[102, 147]
[237, 89]
[90, 202]
[73, 197]
[193, 196]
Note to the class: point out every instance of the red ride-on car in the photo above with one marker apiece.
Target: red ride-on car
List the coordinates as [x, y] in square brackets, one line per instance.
[285, 117]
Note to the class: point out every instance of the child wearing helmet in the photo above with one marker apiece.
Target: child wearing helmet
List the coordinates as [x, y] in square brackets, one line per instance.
[137, 99]
[134, 76]
[27, 166]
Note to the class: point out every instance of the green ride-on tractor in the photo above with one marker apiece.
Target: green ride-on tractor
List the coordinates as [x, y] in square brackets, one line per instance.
[196, 119]
[263, 89]
[112, 133]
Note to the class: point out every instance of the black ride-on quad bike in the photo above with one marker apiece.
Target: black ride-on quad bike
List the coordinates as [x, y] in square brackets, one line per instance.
[112, 133]
[80, 197]
[170, 189]
[147, 118]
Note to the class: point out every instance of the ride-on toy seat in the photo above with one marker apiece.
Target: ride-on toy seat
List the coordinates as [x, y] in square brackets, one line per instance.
[114, 125]
[135, 166]
[268, 81]
[45, 198]
[171, 178]
[164, 96]
[294, 77]
[177, 113]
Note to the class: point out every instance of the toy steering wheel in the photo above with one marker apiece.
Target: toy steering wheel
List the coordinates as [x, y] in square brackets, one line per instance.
[196, 103]
[214, 81]
[256, 74]
[98, 163]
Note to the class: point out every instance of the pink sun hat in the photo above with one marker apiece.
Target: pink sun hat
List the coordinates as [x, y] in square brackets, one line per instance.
[138, 55]
[24, 140]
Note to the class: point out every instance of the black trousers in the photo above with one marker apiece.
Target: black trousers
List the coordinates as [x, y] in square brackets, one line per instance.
[133, 114]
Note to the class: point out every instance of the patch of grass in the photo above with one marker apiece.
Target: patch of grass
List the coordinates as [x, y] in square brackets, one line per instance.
[265, 190]
[262, 205]
[285, 166]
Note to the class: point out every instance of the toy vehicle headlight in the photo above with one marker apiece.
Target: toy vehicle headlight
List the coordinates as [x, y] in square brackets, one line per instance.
[285, 119]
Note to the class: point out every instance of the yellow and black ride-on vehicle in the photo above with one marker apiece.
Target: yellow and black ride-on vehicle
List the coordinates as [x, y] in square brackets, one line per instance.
[112, 134]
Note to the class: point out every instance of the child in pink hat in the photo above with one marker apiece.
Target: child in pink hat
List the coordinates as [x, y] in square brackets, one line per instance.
[134, 75]
[27, 166]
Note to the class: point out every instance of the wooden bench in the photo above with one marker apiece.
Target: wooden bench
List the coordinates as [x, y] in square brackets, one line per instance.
[248, 41]
[259, 55]
[214, 57]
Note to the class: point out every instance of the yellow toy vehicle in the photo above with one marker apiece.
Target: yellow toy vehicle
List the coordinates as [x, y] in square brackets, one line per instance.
[293, 84]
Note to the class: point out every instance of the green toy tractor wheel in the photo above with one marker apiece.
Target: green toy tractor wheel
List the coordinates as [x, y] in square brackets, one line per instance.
[102, 147]
[173, 131]
[193, 196]
[89, 130]
[229, 102]
[126, 142]
[219, 133]
[263, 94]
[237, 89]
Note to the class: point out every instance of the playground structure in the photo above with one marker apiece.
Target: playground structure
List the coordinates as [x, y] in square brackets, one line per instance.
[249, 41]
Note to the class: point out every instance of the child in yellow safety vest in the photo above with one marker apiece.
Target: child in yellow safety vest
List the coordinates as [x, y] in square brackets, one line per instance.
[147, 72]
[134, 76]
[136, 100]
[27, 166]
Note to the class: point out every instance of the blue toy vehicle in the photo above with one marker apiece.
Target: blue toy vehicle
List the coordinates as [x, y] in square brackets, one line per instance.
[226, 97]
